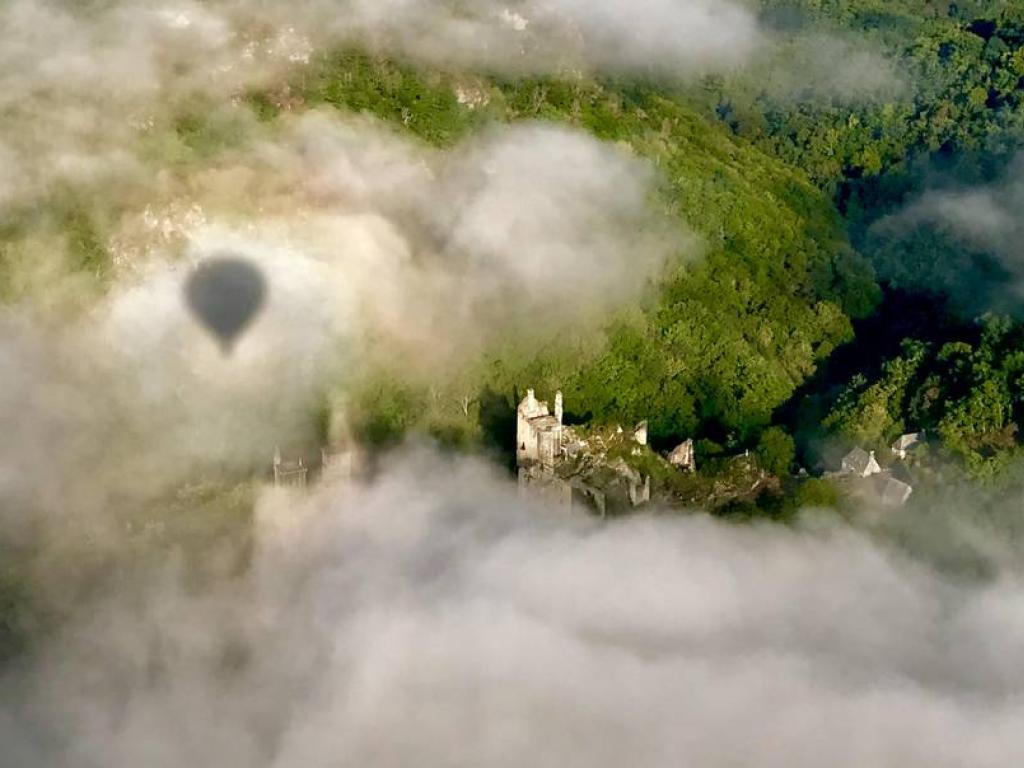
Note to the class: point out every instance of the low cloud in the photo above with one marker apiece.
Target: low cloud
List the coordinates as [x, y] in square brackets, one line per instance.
[82, 83]
[368, 246]
[827, 68]
[434, 616]
[85, 87]
[518, 229]
[982, 217]
[971, 236]
[677, 37]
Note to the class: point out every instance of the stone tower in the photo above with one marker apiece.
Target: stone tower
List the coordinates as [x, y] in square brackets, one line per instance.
[288, 473]
[538, 432]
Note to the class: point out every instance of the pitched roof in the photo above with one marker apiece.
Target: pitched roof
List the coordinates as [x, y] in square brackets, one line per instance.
[907, 440]
[682, 453]
[893, 492]
[857, 459]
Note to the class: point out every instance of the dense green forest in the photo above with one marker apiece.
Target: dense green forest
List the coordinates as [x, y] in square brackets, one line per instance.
[803, 312]
[943, 350]
[722, 342]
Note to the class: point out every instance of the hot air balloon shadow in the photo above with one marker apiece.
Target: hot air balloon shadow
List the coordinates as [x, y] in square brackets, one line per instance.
[225, 293]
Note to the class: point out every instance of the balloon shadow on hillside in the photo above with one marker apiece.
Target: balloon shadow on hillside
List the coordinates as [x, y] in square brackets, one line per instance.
[225, 294]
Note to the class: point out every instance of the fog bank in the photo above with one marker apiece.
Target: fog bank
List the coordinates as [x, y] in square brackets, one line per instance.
[434, 617]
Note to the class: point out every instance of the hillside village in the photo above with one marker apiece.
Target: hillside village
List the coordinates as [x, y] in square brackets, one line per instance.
[611, 470]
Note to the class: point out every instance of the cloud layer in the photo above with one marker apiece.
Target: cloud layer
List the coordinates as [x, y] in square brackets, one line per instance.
[368, 245]
[972, 235]
[79, 81]
[435, 617]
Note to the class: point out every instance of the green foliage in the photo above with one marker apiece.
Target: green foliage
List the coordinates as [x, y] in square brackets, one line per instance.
[968, 392]
[57, 248]
[816, 493]
[15, 607]
[732, 337]
[873, 414]
[206, 131]
[214, 516]
[726, 340]
[86, 247]
[776, 451]
[384, 409]
[976, 419]
[962, 94]
[424, 102]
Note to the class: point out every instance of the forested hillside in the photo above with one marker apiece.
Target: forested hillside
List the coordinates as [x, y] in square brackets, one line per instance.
[914, 173]
[826, 293]
[722, 340]
[797, 202]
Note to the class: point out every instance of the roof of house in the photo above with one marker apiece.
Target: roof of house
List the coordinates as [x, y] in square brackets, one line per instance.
[903, 473]
[892, 491]
[907, 440]
[857, 459]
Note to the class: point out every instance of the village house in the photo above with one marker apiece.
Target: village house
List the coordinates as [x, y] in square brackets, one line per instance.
[340, 456]
[892, 492]
[874, 484]
[905, 442]
[860, 463]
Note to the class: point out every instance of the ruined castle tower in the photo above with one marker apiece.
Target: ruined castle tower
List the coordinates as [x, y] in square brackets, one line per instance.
[538, 433]
[288, 473]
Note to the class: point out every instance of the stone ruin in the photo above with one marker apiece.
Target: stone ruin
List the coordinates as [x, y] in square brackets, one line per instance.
[340, 457]
[683, 458]
[555, 464]
[539, 434]
[289, 474]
